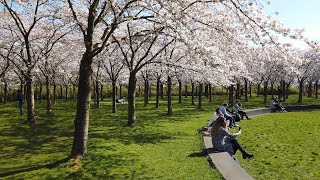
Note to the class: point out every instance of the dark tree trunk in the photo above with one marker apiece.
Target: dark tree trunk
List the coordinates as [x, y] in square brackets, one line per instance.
[283, 88]
[54, 93]
[101, 92]
[30, 101]
[196, 94]
[161, 91]
[61, 88]
[35, 94]
[258, 89]
[66, 95]
[186, 90]
[231, 94]
[158, 92]
[238, 90]
[206, 91]
[300, 91]
[272, 88]
[121, 95]
[97, 95]
[25, 91]
[317, 88]
[210, 93]
[265, 92]
[169, 97]
[200, 96]
[180, 91]
[21, 85]
[139, 91]
[192, 93]
[146, 92]
[79, 147]
[131, 99]
[5, 92]
[149, 88]
[48, 95]
[287, 91]
[73, 92]
[250, 89]
[310, 89]
[246, 90]
[40, 92]
[114, 97]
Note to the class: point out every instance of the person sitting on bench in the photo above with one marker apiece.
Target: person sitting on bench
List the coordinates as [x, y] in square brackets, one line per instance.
[224, 141]
[237, 109]
[229, 117]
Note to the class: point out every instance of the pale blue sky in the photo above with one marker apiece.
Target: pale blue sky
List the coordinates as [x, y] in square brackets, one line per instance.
[298, 14]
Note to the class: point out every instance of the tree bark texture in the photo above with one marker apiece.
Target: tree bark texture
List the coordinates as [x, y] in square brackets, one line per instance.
[192, 93]
[265, 92]
[48, 95]
[81, 122]
[180, 91]
[30, 100]
[245, 90]
[200, 96]
[231, 94]
[158, 92]
[131, 99]
[146, 92]
[169, 97]
[114, 97]
[300, 91]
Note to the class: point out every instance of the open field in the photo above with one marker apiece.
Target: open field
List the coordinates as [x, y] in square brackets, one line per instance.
[159, 147]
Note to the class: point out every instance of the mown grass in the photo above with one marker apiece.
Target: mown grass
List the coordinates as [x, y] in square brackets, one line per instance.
[286, 145]
[159, 147]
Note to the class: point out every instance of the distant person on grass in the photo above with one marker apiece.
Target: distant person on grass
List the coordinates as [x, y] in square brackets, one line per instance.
[21, 102]
[229, 117]
[224, 141]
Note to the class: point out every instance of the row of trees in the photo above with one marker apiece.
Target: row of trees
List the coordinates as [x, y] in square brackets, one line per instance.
[123, 41]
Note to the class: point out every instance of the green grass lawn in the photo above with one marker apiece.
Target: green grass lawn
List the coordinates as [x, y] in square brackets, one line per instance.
[159, 147]
[286, 145]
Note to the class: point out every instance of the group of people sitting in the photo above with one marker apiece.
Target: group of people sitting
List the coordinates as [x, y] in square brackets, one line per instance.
[275, 105]
[222, 140]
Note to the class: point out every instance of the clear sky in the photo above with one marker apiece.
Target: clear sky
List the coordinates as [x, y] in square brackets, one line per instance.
[301, 14]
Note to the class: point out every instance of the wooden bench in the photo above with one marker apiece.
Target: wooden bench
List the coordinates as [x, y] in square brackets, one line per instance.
[229, 169]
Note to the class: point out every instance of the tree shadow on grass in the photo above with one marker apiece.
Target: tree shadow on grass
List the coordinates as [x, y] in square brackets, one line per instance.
[48, 166]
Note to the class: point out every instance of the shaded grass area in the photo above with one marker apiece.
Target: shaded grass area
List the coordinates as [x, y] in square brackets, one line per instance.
[286, 145]
[159, 147]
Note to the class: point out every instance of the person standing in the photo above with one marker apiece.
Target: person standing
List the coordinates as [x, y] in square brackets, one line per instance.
[21, 102]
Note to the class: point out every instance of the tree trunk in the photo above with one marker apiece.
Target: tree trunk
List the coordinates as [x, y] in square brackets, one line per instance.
[21, 85]
[149, 93]
[206, 91]
[169, 97]
[258, 89]
[250, 89]
[238, 91]
[146, 92]
[192, 93]
[66, 93]
[200, 96]
[97, 95]
[161, 91]
[101, 91]
[283, 88]
[180, 91]
[35, 94]
[158, 92]
[287, 91]
[40, 92]
[272, 92]
[210, 93]
[79, 147]
[30, 101]
[300, 91]
[265, 92]
[5, 95]
[121, 96]
[131, 99]
[61, 97]
[310, 89]
[48, 95]
[25, 91]
[245, 90]
[231, 94]
[73, 92]
[114, 97]
[186, 90]
[317, 88]
[54, 93]
[139, 91]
